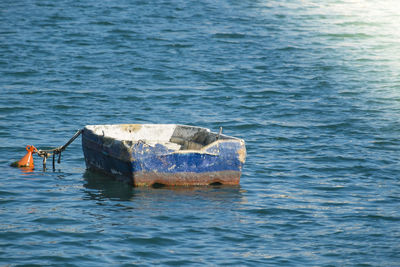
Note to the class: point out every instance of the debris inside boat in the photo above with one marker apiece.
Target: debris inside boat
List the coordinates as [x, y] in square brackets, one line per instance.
[163, 154]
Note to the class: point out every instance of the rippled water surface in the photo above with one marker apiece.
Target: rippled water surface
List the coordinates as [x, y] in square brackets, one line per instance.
[312, 86]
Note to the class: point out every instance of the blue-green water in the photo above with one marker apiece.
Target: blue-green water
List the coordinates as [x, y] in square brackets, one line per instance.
[312, 86]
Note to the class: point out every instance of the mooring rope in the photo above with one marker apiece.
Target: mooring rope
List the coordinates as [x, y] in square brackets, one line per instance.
[57, 151]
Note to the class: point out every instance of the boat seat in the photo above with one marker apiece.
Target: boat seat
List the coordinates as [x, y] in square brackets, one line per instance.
[186, 144]
[169, 145]
[173, 146]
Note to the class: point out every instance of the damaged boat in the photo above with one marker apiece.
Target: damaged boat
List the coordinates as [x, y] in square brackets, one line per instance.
[163, 154]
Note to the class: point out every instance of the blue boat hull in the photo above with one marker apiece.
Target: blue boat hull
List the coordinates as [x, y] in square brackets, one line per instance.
[144, 165]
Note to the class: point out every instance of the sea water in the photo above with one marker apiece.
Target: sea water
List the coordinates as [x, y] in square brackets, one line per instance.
[313, 87]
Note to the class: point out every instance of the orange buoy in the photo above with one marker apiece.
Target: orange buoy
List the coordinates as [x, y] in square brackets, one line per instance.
[27, 160]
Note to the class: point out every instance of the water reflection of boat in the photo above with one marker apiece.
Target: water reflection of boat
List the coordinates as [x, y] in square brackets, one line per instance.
[101, 187]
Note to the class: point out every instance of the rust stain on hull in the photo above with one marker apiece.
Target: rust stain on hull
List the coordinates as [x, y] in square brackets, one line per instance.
[186, 179]
[131, 127]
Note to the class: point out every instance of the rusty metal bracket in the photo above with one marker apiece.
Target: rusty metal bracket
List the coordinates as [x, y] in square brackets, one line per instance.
[57, 151]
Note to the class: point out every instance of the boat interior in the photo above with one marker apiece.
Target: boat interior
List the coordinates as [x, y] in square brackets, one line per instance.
[173, 136]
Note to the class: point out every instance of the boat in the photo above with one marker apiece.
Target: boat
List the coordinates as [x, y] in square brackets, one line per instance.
[163, 154]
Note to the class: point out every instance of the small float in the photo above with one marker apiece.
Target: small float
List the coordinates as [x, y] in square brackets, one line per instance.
[163, 154]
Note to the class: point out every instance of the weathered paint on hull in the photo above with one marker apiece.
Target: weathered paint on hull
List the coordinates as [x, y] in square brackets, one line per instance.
[145, 165]
[105, 164]
[223, 156]
[97, 161]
